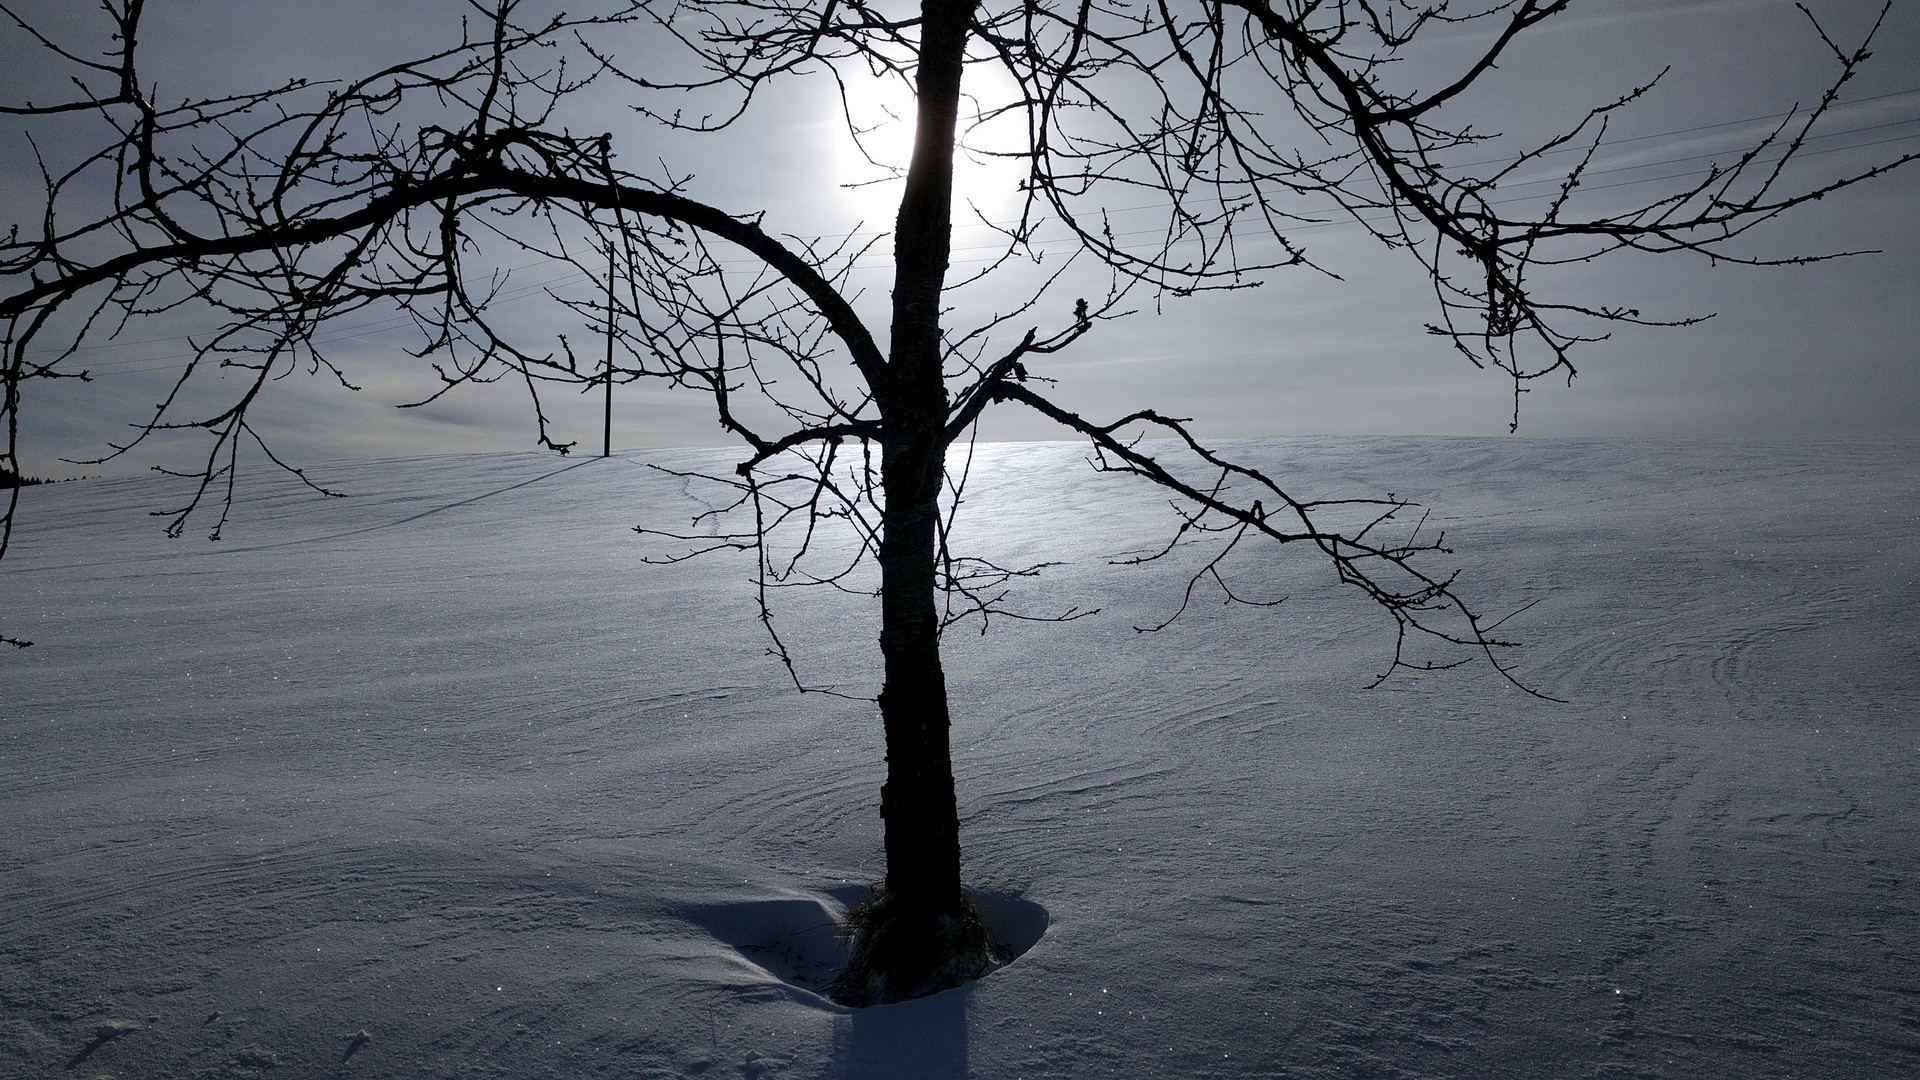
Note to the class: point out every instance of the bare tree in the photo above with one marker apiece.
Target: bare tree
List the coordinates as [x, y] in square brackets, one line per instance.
[270, 213]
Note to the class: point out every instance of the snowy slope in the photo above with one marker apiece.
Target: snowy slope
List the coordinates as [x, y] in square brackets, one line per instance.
[445, 763]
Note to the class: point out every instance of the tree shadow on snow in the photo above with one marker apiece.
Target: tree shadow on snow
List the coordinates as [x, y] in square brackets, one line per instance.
[925, 1038]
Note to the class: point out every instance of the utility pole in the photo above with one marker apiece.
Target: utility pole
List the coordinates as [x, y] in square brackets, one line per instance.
[606, 443]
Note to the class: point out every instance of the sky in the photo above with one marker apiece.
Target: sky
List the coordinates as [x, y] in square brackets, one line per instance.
[1819, 351]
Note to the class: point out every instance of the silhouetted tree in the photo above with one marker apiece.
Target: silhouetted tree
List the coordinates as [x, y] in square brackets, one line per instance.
[272, 212]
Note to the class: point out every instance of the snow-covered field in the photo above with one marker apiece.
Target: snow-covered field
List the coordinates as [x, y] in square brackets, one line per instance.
[445, 764]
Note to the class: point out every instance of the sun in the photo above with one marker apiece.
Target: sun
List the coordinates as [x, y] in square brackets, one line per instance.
[875, 145]
[877, 140]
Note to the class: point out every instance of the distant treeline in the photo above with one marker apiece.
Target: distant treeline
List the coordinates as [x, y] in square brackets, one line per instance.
[11, 479]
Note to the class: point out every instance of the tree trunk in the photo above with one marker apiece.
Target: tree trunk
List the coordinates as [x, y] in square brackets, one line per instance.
[921, 936]
[917, 802]
[922, 823]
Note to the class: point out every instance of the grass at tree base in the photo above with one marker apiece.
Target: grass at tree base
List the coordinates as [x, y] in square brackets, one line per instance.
[897, 955]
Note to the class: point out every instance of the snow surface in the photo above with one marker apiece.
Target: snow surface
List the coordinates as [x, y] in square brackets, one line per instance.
[445, 763]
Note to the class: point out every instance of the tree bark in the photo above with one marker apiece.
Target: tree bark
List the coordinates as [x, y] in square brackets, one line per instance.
[917, 802]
